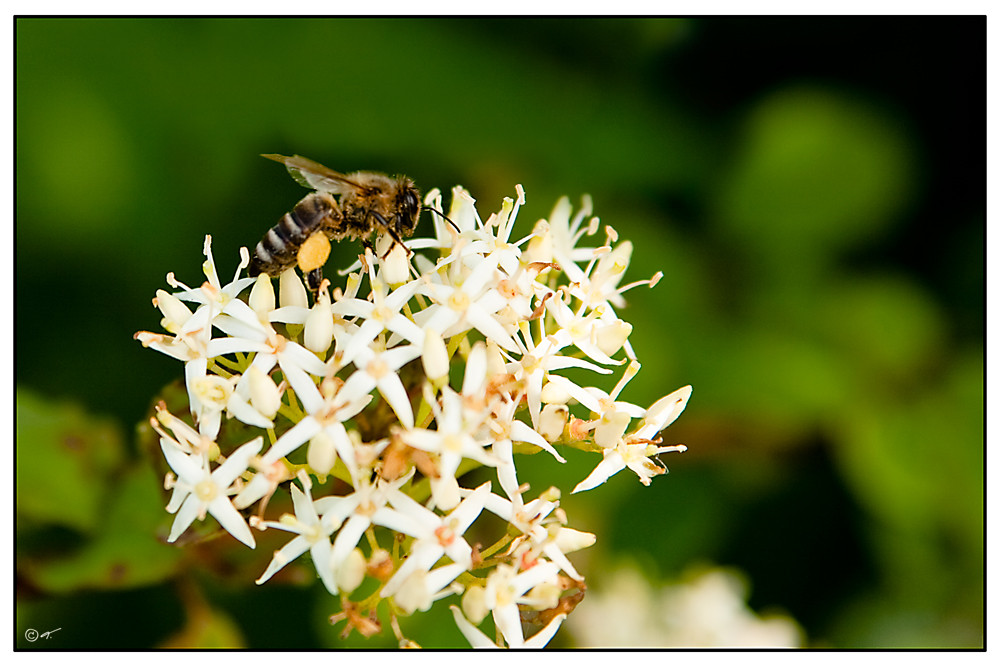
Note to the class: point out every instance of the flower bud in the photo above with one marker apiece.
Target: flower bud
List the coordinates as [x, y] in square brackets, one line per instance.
[264, 394]
[569, 540]
[318, 335]
[544, 596]
[552, 421]
[322, 453]
[175, 313]
[396, 265]
[474, 604]
[554, 392]
[413, 594]
[291, 291]
[435, 356]
[540, 246]
[463, 208]
[262, 296]
[495, 364]
[351, 572]
[445, 492]
[551, 494]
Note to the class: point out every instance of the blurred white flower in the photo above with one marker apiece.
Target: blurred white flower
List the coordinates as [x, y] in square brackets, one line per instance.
[703, 610]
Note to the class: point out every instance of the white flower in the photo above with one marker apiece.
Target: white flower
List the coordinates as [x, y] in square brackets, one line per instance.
[212, 293]
[436, 536]
[379, 370]
[505, 430]
[635, 451]
[206, 490]
[473, 304]
[513, 314]
[422, 588]
[211, 395]
[306, 430]
[548, 537]
[705, 610]
[453, 438]
[354, 513]
[506, 587]
[577, 328]
[613, 416]
[533, 368]
[381, 314]
[478, 639]
[248, 334]
[313, 536]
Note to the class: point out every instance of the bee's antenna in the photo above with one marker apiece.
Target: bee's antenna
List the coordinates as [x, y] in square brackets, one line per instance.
[434, 210]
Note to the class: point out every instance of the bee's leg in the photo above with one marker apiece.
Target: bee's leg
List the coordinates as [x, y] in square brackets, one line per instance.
[393, 233]
[314, 279]
[395, 237]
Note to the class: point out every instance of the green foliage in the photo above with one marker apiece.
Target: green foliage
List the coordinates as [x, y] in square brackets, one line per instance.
[128, 551]
[72, 474]
[64, 456]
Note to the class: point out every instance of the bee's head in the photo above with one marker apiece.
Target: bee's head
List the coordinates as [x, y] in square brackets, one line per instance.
[407, 207]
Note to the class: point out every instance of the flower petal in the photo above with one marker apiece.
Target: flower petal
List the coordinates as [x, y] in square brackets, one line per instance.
[612, 464]
[227, 516]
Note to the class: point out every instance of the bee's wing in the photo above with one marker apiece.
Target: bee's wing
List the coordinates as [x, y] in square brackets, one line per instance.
[311, 174]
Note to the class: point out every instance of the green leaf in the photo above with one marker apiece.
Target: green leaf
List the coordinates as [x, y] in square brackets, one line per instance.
[128, 551]
[64, 458]
[885, 325]
[817, 171]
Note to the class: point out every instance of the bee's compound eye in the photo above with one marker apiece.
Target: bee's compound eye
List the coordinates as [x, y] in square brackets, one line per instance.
[411, 203]
[409, 209]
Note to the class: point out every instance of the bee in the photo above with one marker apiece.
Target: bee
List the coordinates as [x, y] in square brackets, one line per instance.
[341, 206]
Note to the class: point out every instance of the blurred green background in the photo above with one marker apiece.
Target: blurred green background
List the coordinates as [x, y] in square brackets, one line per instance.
[813, 190]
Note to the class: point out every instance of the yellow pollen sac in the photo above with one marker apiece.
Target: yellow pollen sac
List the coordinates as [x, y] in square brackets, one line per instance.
[314, 252]
[206, 490]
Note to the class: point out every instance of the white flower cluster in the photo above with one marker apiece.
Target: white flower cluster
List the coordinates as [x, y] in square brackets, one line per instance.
[429, 361]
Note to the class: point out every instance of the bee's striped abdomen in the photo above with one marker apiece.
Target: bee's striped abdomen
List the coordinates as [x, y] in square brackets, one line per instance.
[278, 249]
